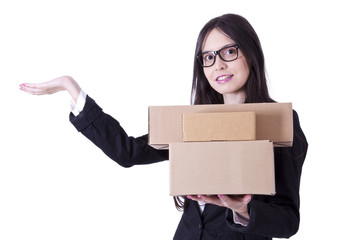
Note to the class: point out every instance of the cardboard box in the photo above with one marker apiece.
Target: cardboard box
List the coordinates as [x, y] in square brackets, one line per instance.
[274, 121]
[231, 126]
[233, 167]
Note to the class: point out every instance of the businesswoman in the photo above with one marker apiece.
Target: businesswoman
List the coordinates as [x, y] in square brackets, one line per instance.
[228, 69]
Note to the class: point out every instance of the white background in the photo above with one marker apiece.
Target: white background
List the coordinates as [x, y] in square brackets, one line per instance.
[55, 184]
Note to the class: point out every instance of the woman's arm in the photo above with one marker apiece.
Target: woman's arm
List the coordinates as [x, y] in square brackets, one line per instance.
[106, 133]
[100, 128]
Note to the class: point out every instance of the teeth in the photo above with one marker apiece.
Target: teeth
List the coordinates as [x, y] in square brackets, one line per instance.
[223, 78]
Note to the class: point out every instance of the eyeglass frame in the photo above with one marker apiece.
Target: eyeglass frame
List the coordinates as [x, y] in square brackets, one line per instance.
[214, 53]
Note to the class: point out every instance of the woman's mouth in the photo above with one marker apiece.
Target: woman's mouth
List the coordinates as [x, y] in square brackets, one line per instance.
[223, 78]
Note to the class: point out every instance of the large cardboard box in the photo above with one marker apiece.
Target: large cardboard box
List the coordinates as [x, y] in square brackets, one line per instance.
[274, 121]
[232, 167]
[230, 126]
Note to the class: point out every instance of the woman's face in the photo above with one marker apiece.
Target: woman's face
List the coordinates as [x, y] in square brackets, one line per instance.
[227, 78]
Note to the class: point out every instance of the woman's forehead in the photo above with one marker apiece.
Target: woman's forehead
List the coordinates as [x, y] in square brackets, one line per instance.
[215, 40]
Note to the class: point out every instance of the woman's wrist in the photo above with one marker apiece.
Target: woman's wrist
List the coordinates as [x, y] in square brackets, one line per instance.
[239, 219]
[72, 87]
[243, 212]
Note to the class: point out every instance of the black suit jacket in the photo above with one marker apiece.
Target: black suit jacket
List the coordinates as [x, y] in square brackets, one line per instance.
[270, 216]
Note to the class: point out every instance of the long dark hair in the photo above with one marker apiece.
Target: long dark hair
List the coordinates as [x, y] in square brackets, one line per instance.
[239, 30]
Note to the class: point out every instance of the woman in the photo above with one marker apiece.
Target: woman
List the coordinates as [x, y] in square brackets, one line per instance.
[228, 68]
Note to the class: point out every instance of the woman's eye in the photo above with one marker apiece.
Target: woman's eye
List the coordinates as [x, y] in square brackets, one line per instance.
[230, 51]
[208, 57]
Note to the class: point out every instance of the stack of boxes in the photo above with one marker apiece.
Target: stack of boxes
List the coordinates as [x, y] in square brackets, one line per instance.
[221, 149]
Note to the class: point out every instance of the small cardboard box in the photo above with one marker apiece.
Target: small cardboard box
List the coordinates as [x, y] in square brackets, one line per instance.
[274, 121]
[231, 126]
[233, 167]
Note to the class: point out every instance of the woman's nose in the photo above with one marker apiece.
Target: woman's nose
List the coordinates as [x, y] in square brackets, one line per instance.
[220, 64]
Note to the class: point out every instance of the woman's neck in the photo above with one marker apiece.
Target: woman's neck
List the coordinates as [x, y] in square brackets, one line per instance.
[235, 97]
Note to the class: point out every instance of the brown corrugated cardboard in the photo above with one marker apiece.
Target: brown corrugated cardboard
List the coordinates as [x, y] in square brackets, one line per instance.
[273, 121]
[230, 126]
[233, 167]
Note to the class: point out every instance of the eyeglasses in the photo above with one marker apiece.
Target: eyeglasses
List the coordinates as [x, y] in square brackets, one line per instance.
[227, 54]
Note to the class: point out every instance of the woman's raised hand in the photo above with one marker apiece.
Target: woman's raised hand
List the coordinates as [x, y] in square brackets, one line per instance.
[64, 83]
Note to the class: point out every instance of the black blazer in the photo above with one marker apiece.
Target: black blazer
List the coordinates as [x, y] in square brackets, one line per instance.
[270, 216]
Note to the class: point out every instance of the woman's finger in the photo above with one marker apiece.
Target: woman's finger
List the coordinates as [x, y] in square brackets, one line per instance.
[235, 202]
[34, 89]
[42, 88]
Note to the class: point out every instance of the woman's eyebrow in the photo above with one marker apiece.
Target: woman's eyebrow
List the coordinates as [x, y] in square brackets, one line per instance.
[227, 45]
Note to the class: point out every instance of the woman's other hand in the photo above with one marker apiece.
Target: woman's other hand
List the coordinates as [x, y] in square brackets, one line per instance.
[64, 83]
[237, 203]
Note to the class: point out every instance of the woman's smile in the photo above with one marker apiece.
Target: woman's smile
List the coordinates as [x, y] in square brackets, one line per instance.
[224, 78]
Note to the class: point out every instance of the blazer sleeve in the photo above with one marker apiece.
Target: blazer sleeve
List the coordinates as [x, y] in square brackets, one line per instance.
[278, 216]
[106, 133]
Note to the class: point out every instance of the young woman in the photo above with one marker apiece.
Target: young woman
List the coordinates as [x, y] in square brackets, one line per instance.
[229, 69]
